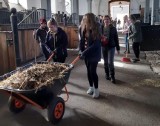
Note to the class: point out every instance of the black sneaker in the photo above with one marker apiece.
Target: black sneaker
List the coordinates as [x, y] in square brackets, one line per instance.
[108, 78]
[113, 80]
[135, 60]
[128, 52]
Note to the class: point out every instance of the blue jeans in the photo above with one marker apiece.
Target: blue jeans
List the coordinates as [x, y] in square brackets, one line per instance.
[108, 55]
[127, 42]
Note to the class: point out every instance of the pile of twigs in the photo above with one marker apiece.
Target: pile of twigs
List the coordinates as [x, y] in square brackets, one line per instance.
[149, 82]
[35, 76]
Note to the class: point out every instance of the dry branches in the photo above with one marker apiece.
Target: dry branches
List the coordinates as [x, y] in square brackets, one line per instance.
[35, 76]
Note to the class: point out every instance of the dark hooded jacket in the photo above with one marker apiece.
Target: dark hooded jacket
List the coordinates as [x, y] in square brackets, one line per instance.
[92, 50]
[58, 42]
[112, 36]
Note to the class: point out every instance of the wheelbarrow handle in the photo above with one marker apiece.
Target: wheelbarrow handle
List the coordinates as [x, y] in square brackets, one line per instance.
[75, 60]
[50, 57]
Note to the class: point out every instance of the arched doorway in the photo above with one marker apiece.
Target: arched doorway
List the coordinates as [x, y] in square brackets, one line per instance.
[118, 9]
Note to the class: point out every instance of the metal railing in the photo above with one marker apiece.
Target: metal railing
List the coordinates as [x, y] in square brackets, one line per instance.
[73, 19]
[26, 19]
[5, 17]
[32, 19]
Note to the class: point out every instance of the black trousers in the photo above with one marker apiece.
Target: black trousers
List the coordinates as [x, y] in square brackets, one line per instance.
[92, 73]
[136, 49]
[59, 59]
[45, 52]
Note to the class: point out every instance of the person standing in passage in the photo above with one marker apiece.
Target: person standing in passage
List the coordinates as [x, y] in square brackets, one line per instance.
[108, 49]
[90, 51]
[57, 41]
[40, 36]
[125, 31]
[136, 36]
[119, 24]
[65, 19]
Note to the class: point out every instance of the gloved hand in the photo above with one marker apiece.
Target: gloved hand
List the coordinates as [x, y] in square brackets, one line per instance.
[55, 51]
[79, 53]
[48, 49]
[81, 57]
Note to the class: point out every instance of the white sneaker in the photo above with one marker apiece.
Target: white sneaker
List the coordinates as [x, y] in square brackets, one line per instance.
[90, 90]
[96, 93]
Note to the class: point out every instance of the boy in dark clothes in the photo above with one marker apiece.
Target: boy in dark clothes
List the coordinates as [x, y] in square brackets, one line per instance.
[40, 36]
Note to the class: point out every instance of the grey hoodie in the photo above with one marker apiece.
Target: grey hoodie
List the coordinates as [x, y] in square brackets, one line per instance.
[136, 34]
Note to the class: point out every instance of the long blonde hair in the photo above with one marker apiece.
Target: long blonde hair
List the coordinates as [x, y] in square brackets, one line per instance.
[90, 25]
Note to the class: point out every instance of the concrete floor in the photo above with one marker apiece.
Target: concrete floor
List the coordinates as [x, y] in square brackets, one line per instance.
[123, 104]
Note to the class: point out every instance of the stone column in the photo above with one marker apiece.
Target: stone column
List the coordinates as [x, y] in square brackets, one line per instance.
[157, 10]
[96, 6]
[75, 11]
[89, 2]
[154, 12]
[146, 11]
[49, 13]
[60, 6]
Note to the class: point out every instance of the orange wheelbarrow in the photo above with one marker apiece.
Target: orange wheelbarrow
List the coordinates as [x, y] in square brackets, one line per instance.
[44, 98]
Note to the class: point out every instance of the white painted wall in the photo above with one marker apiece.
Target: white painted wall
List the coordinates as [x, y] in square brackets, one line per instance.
[53, 6]
[134, 6]
[44, 4]
[103, 7]
[24, 3]
[34, 3]
[68, 6]
[95, 6]
[58, 5]
[83, 7]
[100, 7]
[28, 4]
[13, 1]
[3, 5]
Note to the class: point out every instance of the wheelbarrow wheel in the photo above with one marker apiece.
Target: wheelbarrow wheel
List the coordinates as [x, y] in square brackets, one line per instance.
[15, 105]
[56, 110]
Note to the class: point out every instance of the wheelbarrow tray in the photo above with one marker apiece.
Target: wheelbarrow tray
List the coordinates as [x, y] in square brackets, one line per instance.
[41, 96]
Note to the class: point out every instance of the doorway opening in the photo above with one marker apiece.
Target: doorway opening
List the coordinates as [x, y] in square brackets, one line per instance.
[118, 9]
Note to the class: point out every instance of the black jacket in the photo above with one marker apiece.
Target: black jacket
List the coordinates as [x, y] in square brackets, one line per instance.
[113, 38]
[58, 42]
[92, 51]
[40, 35]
